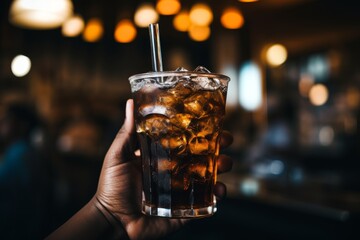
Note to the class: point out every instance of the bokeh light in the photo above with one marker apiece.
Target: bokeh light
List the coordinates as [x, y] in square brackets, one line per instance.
[326, 135]
[145, 15]
[232, 18]
[73, 26]
[181, 21]
[201, 14]
[276, 55]
[40, 14]
[20, 65]
[125, 31]
[199, 33]
[318, 94]
[250, 86]
[168, 7]
[93, 30]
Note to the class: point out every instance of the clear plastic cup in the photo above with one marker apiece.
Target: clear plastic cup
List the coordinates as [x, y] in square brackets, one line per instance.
[179, 117]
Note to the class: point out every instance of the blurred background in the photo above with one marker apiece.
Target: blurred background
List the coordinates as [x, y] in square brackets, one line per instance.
[293, 107]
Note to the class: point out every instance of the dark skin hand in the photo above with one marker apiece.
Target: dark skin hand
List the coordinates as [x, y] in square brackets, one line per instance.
[119, 188]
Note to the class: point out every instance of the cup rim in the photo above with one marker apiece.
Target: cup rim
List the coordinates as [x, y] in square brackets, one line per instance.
[177, 73]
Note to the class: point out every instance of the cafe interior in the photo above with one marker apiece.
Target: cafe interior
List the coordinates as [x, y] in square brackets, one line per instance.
[293, 107]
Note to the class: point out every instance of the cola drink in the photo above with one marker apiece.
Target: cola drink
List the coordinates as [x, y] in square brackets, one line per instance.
[179, 117]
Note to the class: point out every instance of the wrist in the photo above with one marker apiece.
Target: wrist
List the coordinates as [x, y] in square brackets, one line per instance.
[118, 229]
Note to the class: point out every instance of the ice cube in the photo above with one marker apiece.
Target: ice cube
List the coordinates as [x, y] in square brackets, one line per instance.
[201, 69]
[181, 120]
[167, 100]
[181, 69]
[197, 104]
[170, 81]
[204, 82]
[143, 84]
[199, 145]
[155, 125]
[168, 103]
[204, 126]
[175, 143]
[181, 89]
[148, 86]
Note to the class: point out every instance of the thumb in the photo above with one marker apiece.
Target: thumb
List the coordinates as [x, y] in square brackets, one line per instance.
[121, 149]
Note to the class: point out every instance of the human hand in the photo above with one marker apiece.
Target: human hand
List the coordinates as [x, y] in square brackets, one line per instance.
[119, 188]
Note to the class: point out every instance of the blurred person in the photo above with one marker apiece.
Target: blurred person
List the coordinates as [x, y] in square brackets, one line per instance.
[76, 164]
[18, 171]
[114, 212]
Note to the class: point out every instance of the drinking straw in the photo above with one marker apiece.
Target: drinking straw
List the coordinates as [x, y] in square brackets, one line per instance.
[155, 47]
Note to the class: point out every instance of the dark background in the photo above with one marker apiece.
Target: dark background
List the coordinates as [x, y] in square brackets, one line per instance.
[79, 90]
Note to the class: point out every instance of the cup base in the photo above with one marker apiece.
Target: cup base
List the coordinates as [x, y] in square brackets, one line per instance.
[179, 213]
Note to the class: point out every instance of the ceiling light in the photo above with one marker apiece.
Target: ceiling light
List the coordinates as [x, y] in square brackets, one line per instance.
[276, 55]
[73, 26]
[201, 14]
[40, 14]
[199, 33]
[20, 65]
[145, 15]
[93, 30]
[168, 7]
[125, 31]
[181, 21]
[232, 18]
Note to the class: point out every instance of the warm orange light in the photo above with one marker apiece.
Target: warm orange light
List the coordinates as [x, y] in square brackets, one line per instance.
[199, 33]
[145, 14]
[93, 30]
[168, 7]
[318, 94]
[232, 18]
[73, 26]
[125, 31]
[201, 14]
[276, 55]
[181, 21]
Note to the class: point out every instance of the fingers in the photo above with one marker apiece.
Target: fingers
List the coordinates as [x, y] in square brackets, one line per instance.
[226, 139]
[224, 163]
[220, 190]
[129, 116]
[121, 148]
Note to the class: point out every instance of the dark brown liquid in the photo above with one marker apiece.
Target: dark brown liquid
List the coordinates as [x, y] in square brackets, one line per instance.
[180, 186]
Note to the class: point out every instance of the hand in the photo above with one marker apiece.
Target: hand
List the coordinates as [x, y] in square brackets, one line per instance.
[119, 189]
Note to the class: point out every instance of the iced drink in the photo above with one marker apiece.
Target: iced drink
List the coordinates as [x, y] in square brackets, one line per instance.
[179, 117]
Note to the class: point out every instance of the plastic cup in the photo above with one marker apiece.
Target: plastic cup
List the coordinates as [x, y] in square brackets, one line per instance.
[178, 123]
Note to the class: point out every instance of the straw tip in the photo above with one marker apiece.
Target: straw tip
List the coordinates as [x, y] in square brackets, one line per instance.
[153, 25]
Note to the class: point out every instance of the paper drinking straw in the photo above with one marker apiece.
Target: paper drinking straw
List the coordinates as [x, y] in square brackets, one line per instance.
[155, 47]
